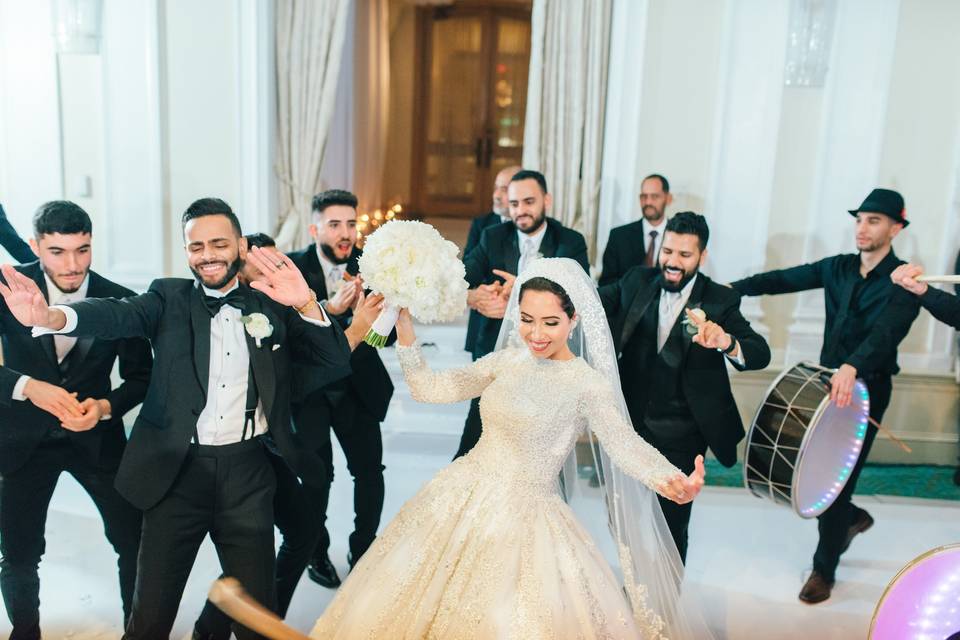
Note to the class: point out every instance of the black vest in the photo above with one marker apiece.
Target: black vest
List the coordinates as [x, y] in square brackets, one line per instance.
[663, 410]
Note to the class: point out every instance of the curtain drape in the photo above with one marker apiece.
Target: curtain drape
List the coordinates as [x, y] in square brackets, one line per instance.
[310, 37]
[563, 131]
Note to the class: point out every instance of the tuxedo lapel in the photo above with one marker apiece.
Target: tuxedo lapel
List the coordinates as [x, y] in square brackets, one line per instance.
[261, 357]
[47, 343]
[200, 322]
[313, 273]
[548, 246]
[511, 252]
[646, 294]
[693, 302]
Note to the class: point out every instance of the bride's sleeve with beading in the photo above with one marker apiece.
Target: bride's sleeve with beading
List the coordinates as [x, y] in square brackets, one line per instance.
[637, 457]
[451, 385]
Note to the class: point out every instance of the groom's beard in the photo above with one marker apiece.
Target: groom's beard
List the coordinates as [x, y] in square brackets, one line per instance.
[674, 287]
[232, 271]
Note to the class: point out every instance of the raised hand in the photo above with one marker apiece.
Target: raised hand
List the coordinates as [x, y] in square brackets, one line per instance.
[345, 297]
[405, 333]
[282, 282]
[683, 489]
[508, 281]
[24, 298]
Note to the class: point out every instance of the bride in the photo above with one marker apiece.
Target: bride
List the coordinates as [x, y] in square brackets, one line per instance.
[489, 548]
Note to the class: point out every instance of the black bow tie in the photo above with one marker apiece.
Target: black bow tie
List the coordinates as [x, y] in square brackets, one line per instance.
[235, 298]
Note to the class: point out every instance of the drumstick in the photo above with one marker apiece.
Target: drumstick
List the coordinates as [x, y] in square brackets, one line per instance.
[939, 279]
[900, 443]
[229, 596]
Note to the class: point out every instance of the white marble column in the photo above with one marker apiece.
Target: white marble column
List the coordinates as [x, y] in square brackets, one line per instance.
[747, 123]
[850, 145]
[137, 200]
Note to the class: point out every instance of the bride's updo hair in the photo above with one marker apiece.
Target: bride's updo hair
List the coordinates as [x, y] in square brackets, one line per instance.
[542, 284]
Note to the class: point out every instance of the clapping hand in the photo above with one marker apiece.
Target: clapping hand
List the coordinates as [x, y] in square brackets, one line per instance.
[683, 489]
[709, 335]
[349, 294]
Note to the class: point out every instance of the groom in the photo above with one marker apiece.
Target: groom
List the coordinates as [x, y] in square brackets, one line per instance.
[224, 352]
[673, 364]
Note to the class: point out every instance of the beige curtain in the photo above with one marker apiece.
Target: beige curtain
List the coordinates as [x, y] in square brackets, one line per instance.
[310, 35]
[563, 131]
[371, 52]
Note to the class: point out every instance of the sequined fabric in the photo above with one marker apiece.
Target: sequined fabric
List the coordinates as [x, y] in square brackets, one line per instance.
[488, 549]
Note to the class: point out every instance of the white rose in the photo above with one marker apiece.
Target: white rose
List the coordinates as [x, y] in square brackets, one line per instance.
[258, 326]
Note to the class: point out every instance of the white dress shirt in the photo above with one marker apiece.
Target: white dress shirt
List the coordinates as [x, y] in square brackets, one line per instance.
[529, 245]
[672, 304]
[63, 344]
[222, 419]
[332, 272]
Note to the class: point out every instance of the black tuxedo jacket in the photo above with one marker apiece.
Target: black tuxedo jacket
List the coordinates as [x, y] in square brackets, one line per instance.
[172, 315]
[500, 249]
[12, 242]
[367, 375]
[626, 248]
[704, 379]
[473, 239]
[86, 370]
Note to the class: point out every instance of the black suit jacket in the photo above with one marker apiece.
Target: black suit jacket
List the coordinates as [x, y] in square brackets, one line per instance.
[500, 249]
[626, 248]
[473, 239]
[367, 375]
[172, 315]
[704, 379]
[86, 370]
[12, 242]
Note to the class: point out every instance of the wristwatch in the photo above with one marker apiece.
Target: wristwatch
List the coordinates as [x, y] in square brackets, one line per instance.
[733, 345]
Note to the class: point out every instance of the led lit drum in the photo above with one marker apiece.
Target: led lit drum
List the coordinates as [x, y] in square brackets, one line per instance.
[801, 447]
[922, 602]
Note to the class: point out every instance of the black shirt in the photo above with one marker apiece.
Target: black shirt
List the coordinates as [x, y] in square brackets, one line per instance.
[867, 317]
[942, 306]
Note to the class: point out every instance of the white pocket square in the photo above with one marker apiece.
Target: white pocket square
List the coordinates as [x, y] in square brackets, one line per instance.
[275, 347]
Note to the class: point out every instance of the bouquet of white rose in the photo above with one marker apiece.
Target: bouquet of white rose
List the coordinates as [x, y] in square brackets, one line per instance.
[414, 267]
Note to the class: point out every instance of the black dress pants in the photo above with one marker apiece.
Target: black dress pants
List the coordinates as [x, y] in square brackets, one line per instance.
[834, 523]
[24, 499]
[358, 433]
[226, 491]
[682, 453]
[299, 527]
[472, 429]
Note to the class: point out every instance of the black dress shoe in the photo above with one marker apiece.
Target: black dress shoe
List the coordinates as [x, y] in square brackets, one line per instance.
[322, 571]
[817, 589]
[863, 522]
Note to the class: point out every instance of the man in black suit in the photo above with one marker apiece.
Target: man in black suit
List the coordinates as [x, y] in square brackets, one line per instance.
[12, 242]
[674, 331]
[59, 413]
[295, 510]
[504, 250]
[638, 243]
[499, 215]
[195, 462]
[354, 406]
[865, 323]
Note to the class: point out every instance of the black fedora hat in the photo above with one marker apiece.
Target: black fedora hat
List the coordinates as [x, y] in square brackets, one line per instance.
[885, 201]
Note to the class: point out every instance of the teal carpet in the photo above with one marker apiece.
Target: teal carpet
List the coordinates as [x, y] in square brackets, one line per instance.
[912, 481]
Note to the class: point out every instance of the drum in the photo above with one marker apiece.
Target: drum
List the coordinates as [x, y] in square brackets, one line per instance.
[922, 600]
[801, 447]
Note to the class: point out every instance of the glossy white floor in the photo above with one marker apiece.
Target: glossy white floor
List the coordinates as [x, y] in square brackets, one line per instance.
[749, 556]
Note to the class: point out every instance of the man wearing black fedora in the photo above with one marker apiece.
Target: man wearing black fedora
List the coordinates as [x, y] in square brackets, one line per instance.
[857, 292]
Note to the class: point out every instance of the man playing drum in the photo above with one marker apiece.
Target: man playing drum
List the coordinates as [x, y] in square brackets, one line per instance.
[857, 291]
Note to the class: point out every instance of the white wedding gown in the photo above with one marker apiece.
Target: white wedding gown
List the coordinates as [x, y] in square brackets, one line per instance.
[488, 548]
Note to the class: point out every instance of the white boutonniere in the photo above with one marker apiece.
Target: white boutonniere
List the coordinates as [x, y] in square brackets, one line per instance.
[691, 327]
[258, 326]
